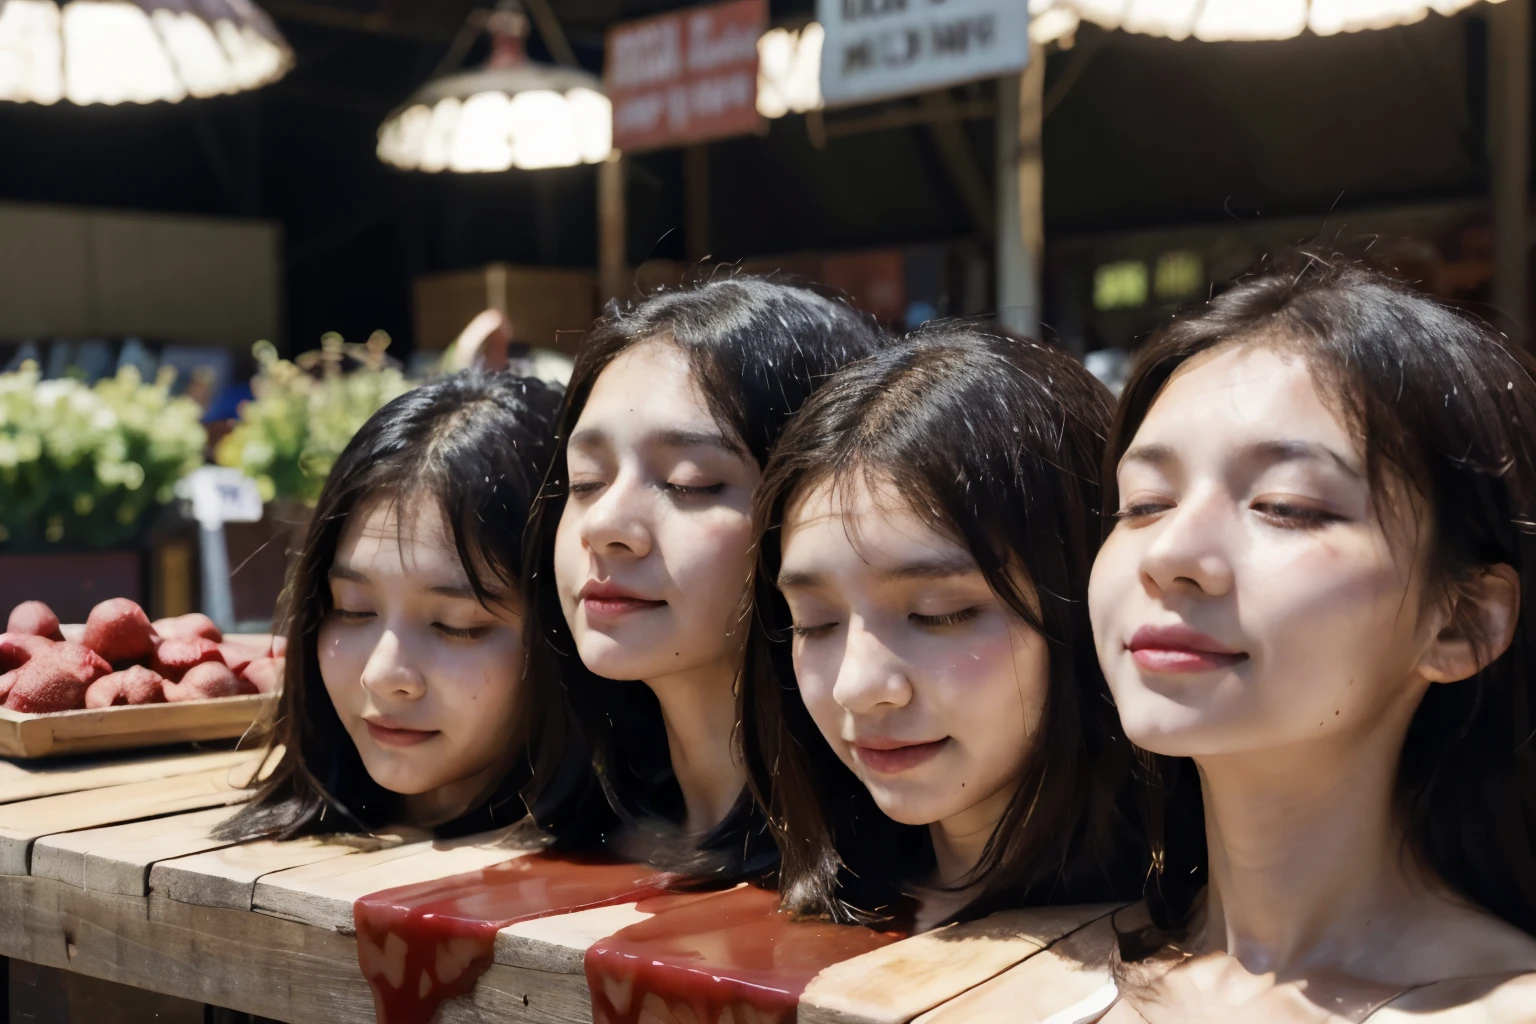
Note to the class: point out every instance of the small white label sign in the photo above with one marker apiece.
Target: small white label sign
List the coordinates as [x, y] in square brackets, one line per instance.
[224, 495]
[880, 48]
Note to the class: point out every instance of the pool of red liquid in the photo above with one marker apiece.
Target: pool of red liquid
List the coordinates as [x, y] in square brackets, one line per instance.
[422, 944]
[718, 958]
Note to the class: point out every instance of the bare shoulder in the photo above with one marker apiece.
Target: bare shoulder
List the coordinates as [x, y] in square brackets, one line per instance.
[1489, 999]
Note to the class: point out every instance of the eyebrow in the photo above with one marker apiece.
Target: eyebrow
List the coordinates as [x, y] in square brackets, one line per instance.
[1269, 452]
[676, 438]
[927, 569]
[462, 591]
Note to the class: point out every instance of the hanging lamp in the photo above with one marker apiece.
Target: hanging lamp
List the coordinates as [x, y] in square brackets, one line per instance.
[135, 51]
[511, 112]
[1235, 20]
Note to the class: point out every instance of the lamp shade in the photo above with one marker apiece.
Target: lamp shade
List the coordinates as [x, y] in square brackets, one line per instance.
[1236, 20]
[528, 116]
[135, 51]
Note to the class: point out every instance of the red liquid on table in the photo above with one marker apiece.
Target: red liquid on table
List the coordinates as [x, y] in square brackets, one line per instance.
[421, 944]
[719, 958]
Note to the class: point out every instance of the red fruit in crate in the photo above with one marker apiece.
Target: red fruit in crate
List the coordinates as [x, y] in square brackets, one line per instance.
[173, 657]
[78, 658]
[135, 685]
[55, 681]
[119, 631]
[266, 674]
[210, 679]
[184, 627]
[35, 618]
[16, 649]
[236, 656]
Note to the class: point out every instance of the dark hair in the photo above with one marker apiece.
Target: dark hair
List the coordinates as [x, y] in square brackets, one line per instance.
[994, 440]
[477, 443]
[757, 348]
[1440, 401]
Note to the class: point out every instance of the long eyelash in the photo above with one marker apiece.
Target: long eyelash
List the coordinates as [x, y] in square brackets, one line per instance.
[461, 634]
[688, 491]
[1312, 516]
[1134, 511]
[952, 619]
[805, 631]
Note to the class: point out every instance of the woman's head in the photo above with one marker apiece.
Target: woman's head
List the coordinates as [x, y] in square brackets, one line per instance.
[640, 542]
[930, 518]
[404, 615]
[1326, 491]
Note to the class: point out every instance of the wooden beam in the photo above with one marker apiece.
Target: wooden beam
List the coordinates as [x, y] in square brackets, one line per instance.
[612, 231]
[1020, 206]
[696, 208]
[1509, 142]
[960, 163]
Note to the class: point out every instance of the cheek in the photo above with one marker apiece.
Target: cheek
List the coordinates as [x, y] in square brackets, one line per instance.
[816, 666]
[1113, 577]
[1327, 603]
[477, 689]
[993, 706]
[570, 564]
[343, 653]
[708, 563]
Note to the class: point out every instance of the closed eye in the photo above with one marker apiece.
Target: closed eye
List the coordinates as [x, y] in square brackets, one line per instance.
[809, 632]
[693, 491]
[1291, 514]
[584, 487]
[1142, 509]
[940, 621]
[472, 633]
[347, 615]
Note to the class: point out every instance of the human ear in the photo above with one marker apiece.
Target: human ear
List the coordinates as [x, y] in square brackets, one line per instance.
[1485, 610]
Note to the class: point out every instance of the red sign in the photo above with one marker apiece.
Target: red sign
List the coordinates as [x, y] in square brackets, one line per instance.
[685, 77]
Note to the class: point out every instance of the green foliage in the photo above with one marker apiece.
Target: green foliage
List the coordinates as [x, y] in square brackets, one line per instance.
[84, 466]
[304, 412]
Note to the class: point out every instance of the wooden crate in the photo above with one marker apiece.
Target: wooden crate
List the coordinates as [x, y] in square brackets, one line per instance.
[131, 726]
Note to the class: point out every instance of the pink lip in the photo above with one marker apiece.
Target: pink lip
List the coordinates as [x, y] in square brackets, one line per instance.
[607, 601]
[1179, 649]
[393, 736]
[891, 757]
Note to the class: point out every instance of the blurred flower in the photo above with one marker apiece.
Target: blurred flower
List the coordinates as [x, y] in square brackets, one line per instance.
[85, 466]
[305, 411]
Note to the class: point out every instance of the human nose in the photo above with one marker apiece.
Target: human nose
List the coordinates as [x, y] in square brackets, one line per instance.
[615, 523]
[871, 676]
[391, 672]
[1188, 549]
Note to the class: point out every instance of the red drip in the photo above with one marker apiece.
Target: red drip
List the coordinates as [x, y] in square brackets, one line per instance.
[720, 958]
[422, 944]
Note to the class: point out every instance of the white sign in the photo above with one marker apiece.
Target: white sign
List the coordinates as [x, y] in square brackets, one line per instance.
[880, 48]
[223, 495]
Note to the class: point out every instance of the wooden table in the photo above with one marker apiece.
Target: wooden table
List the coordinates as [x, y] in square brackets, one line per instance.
[107, 870]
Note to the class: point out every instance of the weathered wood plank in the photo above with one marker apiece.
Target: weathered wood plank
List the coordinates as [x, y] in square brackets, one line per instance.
[322, 894]
[1049, 982]
[21, 780]
[560, 943]
[118, 858]
[23, 823]
[253, 963]
[896, 983]
[227, 877]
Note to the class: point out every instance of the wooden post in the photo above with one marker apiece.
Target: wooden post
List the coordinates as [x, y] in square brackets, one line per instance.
[612, 268]
[1509, 142]
[1020, 200]
[696, 202]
